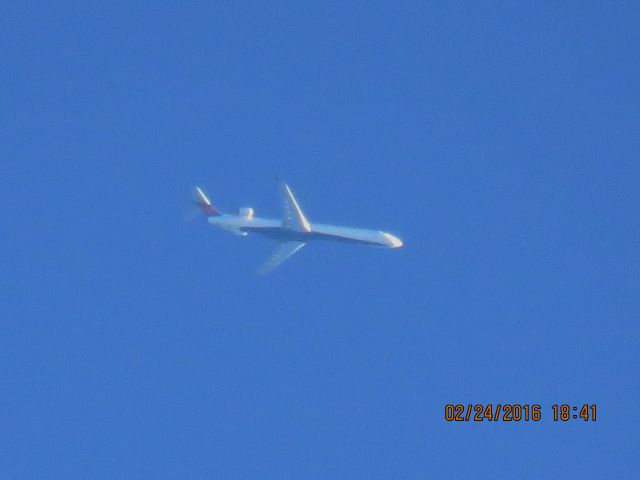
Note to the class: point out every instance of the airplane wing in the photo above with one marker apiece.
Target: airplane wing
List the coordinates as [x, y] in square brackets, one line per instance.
[284, 251]
[293, 218]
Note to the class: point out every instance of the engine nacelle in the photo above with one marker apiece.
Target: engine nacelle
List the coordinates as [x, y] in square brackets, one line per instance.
[246, 212]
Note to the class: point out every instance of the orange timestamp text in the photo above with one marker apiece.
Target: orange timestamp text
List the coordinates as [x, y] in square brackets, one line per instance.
[515, 412]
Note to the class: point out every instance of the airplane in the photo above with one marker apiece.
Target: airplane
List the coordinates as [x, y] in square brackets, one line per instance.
[293, 231]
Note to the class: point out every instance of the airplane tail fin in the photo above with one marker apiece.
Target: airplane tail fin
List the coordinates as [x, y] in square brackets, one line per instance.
[204, 204]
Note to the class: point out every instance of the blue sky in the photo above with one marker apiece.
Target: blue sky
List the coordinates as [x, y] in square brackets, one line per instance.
[500, 141]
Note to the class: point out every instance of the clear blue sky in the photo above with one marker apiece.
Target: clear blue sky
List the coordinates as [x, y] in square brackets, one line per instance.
[499, 140]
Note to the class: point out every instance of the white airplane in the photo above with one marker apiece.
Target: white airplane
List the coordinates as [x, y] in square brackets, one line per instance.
[293, 231]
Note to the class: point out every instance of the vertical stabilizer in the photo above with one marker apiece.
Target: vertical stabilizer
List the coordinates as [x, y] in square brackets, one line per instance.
[204, 204]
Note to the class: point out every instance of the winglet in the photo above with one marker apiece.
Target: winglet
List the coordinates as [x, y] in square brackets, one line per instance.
[293, 218]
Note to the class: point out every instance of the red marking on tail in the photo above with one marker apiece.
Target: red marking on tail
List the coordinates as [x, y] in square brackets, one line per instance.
[205, 205]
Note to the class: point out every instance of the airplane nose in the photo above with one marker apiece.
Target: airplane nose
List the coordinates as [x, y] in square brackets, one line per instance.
[392, 240]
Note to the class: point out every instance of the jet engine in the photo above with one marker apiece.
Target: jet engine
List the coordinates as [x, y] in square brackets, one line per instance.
[246, 212]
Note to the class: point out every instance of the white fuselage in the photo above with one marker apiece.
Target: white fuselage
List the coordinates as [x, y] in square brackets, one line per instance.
[272, 228]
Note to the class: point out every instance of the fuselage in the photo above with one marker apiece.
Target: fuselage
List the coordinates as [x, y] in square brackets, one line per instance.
[272, 228]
